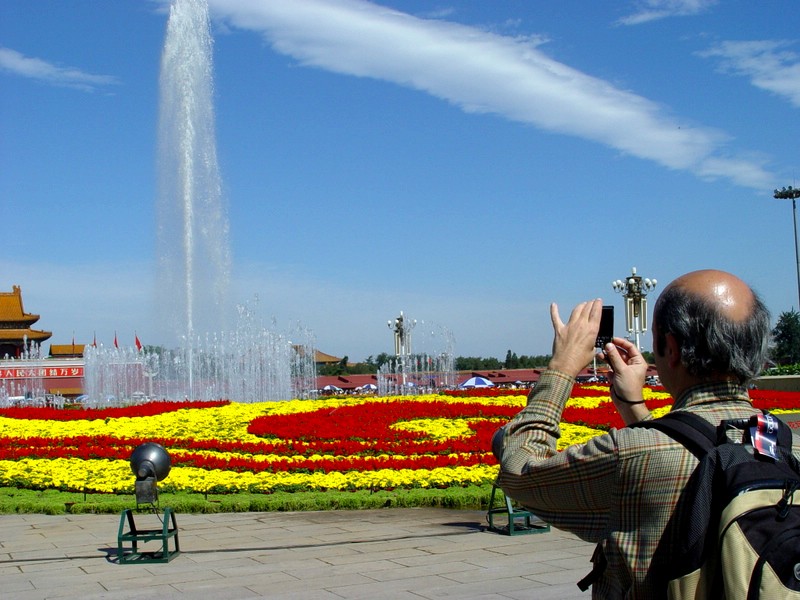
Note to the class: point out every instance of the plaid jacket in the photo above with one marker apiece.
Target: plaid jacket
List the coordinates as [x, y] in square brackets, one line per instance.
[620, 489]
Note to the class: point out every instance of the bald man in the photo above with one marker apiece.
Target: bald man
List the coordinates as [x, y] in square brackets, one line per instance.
[622, 489]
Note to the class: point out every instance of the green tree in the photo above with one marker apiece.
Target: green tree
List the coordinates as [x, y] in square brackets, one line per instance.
[786, 337]
[474, 363]
[339, 368]
[512, 360]
[379, 360]
[362, 368]
[532, 362]
[153, 349]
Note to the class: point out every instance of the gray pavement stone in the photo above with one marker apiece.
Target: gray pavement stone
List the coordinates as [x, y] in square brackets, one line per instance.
[389, 553]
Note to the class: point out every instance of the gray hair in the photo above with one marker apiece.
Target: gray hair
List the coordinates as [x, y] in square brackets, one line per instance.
[710, 342]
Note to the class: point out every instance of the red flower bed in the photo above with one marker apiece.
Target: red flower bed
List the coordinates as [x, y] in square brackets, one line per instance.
[147, 409]
[371, 422]
[116, 449]
[347, 438]
[774, 399]
[490, 392]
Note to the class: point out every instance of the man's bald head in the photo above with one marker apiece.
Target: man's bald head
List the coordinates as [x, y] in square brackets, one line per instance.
[720, 323]
[729, 295]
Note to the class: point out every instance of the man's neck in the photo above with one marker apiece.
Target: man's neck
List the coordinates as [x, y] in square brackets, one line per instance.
[680, 396]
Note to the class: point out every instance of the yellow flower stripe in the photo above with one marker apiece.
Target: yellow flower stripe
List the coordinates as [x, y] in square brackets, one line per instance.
[595, 401]
[437, 429]
[586, 401]
[224, 423]
[575, 434]
[284, 458]
[445, 428]
[108, 476]
[115, 477]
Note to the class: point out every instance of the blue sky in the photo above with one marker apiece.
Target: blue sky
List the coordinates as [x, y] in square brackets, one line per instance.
[465, 162]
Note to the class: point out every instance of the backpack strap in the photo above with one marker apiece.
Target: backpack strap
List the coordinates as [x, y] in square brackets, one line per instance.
[692, 431]
[695, 433]
[699, 436]
[599, 566]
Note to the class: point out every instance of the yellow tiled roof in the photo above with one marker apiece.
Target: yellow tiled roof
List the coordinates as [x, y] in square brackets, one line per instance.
[319, 357]
[66, 349]
[16, 335]
[11, 309]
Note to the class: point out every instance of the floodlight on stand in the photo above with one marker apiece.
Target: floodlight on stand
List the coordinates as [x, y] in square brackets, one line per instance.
[150, 463]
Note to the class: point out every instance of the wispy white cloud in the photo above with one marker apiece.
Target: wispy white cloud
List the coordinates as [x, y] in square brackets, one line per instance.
[483, 72]
[769, 65]
[654, 10]
[16, 63]
[438, 13]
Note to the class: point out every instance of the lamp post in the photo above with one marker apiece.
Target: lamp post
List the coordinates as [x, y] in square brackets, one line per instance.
[634, 289]
[793, 194]
[150, 372]
[402, 342]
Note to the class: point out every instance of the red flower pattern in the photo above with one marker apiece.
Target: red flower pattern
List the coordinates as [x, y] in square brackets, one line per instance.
[360, 437]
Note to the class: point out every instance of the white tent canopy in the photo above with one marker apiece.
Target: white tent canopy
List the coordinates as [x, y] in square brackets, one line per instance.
[476, 382]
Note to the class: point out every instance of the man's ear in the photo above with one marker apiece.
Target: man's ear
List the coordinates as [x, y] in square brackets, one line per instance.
[672, 351]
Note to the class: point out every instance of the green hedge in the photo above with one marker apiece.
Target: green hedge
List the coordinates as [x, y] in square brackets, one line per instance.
[783, 370]
[53, 502]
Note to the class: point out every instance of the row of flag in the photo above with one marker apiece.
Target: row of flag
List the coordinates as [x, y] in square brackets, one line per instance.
[136, 341]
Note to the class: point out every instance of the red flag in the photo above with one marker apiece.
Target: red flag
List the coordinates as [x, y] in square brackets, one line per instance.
[116, 345]
[137, 342]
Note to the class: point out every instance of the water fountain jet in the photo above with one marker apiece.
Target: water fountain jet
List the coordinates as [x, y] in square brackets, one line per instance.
[249, 363]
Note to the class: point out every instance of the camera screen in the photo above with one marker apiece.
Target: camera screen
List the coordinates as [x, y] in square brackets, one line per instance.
[606, 327]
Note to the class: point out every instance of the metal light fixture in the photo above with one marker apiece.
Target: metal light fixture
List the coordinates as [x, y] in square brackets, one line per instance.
[792, 194]
[402, 343]
[402, 334]
[635, 289]
[150, 463]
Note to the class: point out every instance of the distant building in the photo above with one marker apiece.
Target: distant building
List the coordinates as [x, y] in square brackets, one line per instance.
[66, 350]
[320, 358]
[15, 325]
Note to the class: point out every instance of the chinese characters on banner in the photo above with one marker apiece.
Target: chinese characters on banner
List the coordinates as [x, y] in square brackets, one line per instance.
[41, 372]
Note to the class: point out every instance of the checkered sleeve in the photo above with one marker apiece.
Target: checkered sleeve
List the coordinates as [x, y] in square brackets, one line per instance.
[571, 489]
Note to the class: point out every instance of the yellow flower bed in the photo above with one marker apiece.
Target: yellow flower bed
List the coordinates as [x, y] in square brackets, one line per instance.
[115, 476]
[262, 472]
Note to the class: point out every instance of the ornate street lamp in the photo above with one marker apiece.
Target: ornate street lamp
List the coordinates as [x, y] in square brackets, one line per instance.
[402, 342]
[792, 194]
[634, 289]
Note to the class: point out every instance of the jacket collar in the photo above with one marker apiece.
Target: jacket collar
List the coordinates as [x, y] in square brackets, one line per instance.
[716, 391]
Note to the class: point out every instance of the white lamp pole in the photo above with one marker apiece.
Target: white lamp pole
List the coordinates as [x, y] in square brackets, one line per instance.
[402, 342]
[634, 289]
[792, 194]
